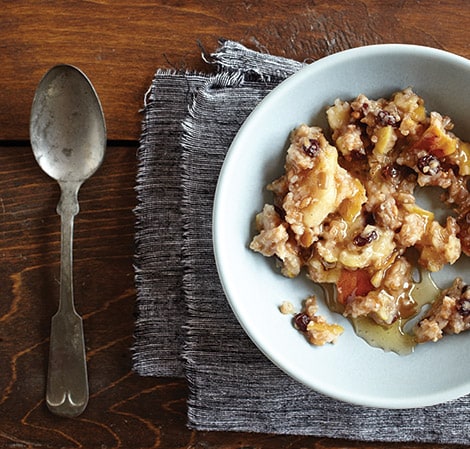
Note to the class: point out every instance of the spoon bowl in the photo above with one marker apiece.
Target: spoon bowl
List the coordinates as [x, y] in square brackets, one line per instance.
[68, 133]
[68, 138]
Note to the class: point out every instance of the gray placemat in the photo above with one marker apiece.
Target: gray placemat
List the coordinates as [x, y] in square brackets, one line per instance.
[184, 325]
[159, 233]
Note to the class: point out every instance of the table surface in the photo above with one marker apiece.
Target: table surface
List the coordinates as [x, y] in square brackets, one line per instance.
[120, 45]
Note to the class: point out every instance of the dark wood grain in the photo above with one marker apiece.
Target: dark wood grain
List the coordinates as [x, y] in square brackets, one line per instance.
[119, 45]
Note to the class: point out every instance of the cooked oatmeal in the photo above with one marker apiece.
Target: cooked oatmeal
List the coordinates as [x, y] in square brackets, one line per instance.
[315, 327]
[345, 211]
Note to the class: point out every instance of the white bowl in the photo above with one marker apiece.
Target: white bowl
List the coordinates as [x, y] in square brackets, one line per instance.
[351, 370]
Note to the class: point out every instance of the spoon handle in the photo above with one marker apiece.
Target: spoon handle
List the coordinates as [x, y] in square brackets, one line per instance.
[67, 382]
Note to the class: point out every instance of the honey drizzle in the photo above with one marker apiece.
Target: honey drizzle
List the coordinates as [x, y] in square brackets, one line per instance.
[395, 337]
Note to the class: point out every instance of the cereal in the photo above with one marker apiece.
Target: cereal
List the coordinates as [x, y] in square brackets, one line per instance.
[287, 308]
[450, 314]
[345, 211]
[315, 327]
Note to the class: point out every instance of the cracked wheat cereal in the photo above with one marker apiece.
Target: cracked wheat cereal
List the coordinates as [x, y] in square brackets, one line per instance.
[344, 210]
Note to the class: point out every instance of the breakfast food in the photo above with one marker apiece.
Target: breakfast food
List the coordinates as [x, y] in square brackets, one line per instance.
[315, 327]
[346, 212]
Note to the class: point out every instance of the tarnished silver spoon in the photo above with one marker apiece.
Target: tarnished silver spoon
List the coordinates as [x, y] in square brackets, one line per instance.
[68, 137]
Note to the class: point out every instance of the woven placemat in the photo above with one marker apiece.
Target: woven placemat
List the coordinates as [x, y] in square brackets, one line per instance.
[184, 325]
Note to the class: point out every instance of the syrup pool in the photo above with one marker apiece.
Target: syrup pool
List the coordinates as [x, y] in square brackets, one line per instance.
[397, 337]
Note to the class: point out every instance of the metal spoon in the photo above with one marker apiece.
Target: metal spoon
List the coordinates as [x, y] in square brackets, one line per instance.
[68, 137]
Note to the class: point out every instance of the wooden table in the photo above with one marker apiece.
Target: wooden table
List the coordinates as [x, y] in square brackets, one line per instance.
[120, 45]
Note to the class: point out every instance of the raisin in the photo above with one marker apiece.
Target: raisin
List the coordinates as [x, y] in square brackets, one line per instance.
[429, 165]
[301, 321]
[313, 148]
[384, 118]
[363, 240]
[390, 171]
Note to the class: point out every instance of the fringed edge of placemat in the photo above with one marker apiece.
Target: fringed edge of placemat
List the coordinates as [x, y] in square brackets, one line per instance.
[159, 226]
[233, 56]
